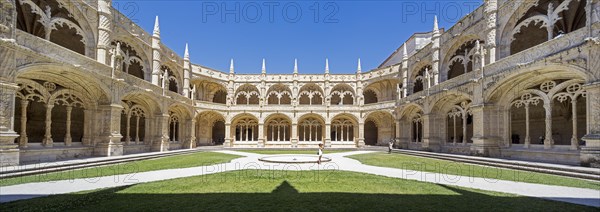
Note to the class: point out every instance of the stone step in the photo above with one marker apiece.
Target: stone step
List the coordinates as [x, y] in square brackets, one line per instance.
[562, 170]
[70, 165]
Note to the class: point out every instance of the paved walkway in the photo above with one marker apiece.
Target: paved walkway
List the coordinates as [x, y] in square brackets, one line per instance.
[581, 196]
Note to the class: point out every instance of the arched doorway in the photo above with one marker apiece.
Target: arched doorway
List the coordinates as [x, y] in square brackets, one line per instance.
[218, 132]
[371, 133]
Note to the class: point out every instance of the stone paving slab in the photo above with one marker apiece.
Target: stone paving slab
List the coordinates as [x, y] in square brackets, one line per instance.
[581, 196]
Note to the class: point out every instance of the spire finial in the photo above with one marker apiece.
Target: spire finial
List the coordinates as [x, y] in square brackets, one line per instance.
[186, 54]
[231, 67]
[435, 24]
[404, 52]
[326, 65]
[295, 66]
[156, 28]
[264, 67]
[359, 68]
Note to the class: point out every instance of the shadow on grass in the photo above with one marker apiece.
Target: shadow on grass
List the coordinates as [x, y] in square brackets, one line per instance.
[286, 198]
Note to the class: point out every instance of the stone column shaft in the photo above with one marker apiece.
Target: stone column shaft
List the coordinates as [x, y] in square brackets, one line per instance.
[68, 139]
[23, 139]
[548, 141]
[48, 142]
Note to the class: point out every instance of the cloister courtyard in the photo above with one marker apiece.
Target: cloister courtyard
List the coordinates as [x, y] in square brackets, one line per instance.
[227, 180]
[498, 111]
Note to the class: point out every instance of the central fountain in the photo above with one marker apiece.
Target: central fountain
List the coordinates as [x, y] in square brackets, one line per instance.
[293, 159]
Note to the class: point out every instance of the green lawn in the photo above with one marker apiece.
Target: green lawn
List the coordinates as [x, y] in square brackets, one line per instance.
[465, 169]
[172, 162]
[260, 190]
[299, 151]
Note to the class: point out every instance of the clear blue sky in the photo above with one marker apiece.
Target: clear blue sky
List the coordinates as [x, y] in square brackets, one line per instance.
[343, 31]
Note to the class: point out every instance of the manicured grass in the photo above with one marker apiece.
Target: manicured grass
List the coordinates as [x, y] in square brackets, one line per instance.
[262, 190]
[464, 169]
[172, 162]
[300, 151]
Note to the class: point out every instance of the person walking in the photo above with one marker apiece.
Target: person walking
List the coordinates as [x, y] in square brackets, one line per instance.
[390, 146]
[320, 153]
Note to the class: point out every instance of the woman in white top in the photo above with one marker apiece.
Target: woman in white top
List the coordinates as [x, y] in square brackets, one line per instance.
[320, 153]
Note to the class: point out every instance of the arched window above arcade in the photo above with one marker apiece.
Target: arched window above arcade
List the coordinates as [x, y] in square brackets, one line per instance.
[51, 20]
[545, 20]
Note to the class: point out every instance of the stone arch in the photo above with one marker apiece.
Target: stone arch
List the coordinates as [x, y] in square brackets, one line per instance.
[61, 27]
[247, 94]
[527, 105]
[311, 128]
[420, 78]
[210, 91]
[278, 127]
[279, 94]
[132, 62]
[524, 78]
[149, 102]
[531, 19]
[244, 128]
[310, 94]
[342, 94]
[462, 60]
[210, 128]
[49, 112]
[412, 114]
[384, 90]
[67, 77]
[181, 109]
[381, 129]
[140, 49]
[370, 95]
[134, 122]
[173, 83]
[450, 53]
[344, 128]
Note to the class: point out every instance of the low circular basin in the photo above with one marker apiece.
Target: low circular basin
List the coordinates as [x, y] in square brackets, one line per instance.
[293, 159]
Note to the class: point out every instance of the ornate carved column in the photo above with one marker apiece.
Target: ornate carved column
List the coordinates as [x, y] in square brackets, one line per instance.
[431, 141]
[574, 140]
[491, 10]
[327, 134]
[10, 152]
[128, 130]
[590, 153]
[487, 130]
[23, 137]
[137, 129]
[48, 142]
[397, 138]
[192, 138]
[161, 144]
[361, 134]
[105, 26]
[68, 138]
[548, 141]
[527, 136]
[404, 133]
[464, 126]
[261, 134]
[110, 127]
[87, 128]
[227, 142]
[454, 129]
[294, 135]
